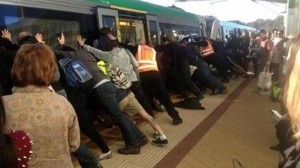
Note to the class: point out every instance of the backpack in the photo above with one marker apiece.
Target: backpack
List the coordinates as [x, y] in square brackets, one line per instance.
[76, 73]
[115, 74]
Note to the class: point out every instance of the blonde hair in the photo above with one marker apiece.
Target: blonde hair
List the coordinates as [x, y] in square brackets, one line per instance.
[291, 97]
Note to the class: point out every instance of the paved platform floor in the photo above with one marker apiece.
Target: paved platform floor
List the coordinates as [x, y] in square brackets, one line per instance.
[236, 125]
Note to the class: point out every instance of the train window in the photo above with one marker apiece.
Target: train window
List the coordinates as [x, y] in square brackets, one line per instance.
[202, 30]
[8, 15]
[109, 21]
[131, 30]
[48, 22]
[153, 32]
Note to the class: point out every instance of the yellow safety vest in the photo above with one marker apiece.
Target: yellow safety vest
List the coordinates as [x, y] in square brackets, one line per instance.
[146, 58]
[207, 50]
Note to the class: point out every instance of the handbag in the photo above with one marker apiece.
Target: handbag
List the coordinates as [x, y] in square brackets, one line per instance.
[264, 79]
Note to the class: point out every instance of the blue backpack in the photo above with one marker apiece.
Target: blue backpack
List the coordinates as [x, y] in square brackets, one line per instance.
[77, 75]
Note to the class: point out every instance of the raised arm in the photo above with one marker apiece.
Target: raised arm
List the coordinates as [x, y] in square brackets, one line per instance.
[6, 34]
[103, 55]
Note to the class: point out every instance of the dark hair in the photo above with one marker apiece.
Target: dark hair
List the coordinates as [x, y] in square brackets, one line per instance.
[104, 31]
[112, 44]
[262, 31]
[29, 39]
[8, 151]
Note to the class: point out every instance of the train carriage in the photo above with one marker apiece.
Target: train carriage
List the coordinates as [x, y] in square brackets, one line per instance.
[130, 20]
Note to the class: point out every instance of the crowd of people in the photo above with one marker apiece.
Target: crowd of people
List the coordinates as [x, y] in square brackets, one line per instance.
[42, 115]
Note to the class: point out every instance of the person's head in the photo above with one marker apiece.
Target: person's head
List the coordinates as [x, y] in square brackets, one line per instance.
[280, 33]
[184, 41]
[165, 41]
[112, 44]
[262, 34]
[291, 98]
[269, 35]
[34, 65]
[105, 31]
[26, 38]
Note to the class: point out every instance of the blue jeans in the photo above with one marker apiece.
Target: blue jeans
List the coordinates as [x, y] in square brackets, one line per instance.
[85, 157]
[106, 95]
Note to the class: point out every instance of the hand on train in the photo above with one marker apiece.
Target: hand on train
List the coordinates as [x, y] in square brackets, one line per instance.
[39, 38]
[6, 34]
[80, 41]
[61, 40]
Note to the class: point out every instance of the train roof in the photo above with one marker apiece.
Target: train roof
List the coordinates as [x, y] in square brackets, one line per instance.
[168, 14]
[233, 25]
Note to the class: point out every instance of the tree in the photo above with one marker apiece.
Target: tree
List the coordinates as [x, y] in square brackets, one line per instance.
[268, 25]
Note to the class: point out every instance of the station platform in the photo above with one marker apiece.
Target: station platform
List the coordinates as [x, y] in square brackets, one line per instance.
[234, 127]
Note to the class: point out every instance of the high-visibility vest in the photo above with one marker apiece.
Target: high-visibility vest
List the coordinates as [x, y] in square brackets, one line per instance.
[146, 58]
[207, 50]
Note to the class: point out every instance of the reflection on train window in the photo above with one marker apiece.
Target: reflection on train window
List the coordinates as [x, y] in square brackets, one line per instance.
[153, 32]
[201, 26]
[132, 30]
[8, 15]
[110, 21]
[50, 29]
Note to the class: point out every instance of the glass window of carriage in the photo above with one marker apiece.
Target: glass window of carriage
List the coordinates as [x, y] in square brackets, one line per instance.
[110, 21]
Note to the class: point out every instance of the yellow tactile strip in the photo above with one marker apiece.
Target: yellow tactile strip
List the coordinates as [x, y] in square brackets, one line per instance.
[151, 155]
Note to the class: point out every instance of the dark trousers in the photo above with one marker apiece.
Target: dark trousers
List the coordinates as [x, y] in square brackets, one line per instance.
[275, 68]
[187, 79]
[140, 96]
[85, 157]
[78, 99]
[204, 76]
[219, 63]
[105, 95]
[153, 86]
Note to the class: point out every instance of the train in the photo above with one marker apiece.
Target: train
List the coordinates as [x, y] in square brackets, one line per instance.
[130, 20]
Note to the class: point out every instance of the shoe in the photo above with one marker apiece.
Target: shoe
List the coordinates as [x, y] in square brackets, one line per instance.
[144, 141]
[215, 92]
[177, 121]
[160, 142]
[155, 135]
[199, 97]
[106, 155]
[130, 150]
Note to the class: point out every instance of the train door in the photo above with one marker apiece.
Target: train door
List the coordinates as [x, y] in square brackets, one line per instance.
[215, 29]
[153, 30]
[109, 18]
[132, 30]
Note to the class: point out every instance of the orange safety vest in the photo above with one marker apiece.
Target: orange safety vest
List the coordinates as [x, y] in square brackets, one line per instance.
[146, 58]
[207, 50]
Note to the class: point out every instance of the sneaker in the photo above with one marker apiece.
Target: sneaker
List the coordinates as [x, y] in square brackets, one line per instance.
[106, 155]
[130, 150]
[144, 141]
[155, 135]
[160, 142]
[177, 121]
